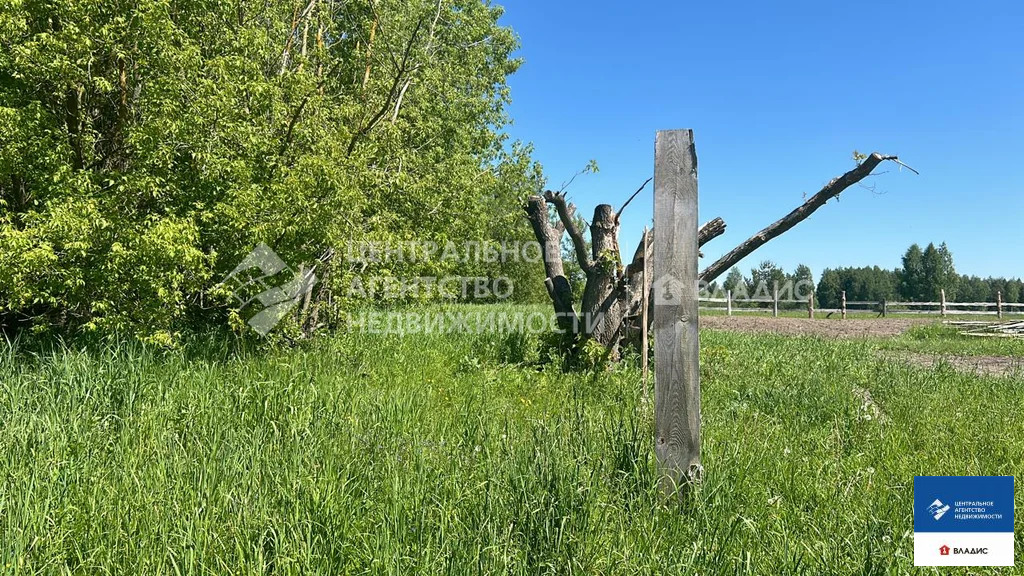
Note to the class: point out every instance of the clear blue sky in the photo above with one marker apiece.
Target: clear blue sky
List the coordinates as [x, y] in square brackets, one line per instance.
[779, 95]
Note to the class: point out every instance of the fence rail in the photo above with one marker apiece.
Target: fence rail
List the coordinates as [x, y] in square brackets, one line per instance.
[883, 307]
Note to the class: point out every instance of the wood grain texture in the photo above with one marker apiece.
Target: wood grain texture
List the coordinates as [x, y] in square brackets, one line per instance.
[675, 293]
[550, 239]
[644, 309]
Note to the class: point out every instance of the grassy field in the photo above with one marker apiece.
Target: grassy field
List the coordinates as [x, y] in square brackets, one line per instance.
[939, 339]
[862, 314]
[436, 454]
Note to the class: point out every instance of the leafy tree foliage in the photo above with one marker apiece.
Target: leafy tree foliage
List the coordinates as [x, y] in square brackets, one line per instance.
[735, 282]
[802, 278]
[867, 284]
[939, 272]
[762, 281]
[912, 279]
[149, 145]
[764, 278]
[802, 273]
[975, 289]
[926, 273]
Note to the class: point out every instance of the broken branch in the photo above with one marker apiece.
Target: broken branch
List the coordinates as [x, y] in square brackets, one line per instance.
[801, 213]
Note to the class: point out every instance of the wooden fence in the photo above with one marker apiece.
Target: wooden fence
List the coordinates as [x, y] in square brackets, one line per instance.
[882, 308]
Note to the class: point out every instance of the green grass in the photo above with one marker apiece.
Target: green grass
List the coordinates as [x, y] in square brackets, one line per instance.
[437, 454]
[944, 339]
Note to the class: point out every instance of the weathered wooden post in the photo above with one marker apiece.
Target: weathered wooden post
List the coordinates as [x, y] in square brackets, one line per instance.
[844, 305]
[644, 303]
[942, 309]
[810, 305]
[999, 304]
[885, 308]
[728, 302]
[775, 300]
[676, 337]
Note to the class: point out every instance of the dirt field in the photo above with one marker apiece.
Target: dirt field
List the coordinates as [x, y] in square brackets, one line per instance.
[985, 365]
[859, 328]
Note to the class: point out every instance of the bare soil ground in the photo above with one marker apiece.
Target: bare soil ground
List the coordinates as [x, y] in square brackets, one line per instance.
[852, 328]
[984, 365]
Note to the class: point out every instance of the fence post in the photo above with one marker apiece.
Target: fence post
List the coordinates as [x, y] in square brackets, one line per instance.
[943, 294]
[775, 300]
[999, 304]
[810, 306]
[676, 337]
[844, 304]
[885, 307]
[728, 302]
[646, 278]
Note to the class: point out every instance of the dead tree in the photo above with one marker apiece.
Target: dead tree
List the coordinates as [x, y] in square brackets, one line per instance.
[610, 310]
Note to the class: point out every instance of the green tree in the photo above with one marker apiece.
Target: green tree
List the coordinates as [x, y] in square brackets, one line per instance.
[765, 278]
[975, 289]
[912, 276]
[830, 288]
[867, 284]
[735, 282]
[1013, 291]
[802, 276]
[148, 146]
[939, 273]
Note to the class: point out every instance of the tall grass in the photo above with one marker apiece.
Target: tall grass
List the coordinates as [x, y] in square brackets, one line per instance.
[948, 340]
[436, 454]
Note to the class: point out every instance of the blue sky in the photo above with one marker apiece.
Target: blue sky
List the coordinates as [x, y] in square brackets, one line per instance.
[779, 96]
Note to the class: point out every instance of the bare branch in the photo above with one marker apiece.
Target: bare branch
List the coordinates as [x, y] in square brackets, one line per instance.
[641, 189]
[707, 233]
[897, 160]
[831, 190]
[591, 167]
[565, 214]
[710, 231]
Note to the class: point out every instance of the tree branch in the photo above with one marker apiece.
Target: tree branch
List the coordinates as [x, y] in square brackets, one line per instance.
[707, 233]
[565, 214]
[550, 240]
[641, 189]
[287, 140]
[393, 93]
[428, 51]
[831, 190]
[710, 231]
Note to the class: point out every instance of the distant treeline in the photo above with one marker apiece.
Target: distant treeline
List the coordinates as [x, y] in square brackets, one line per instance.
[922, 278]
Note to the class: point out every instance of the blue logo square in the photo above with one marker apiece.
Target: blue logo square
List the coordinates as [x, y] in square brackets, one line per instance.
[963, 504]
